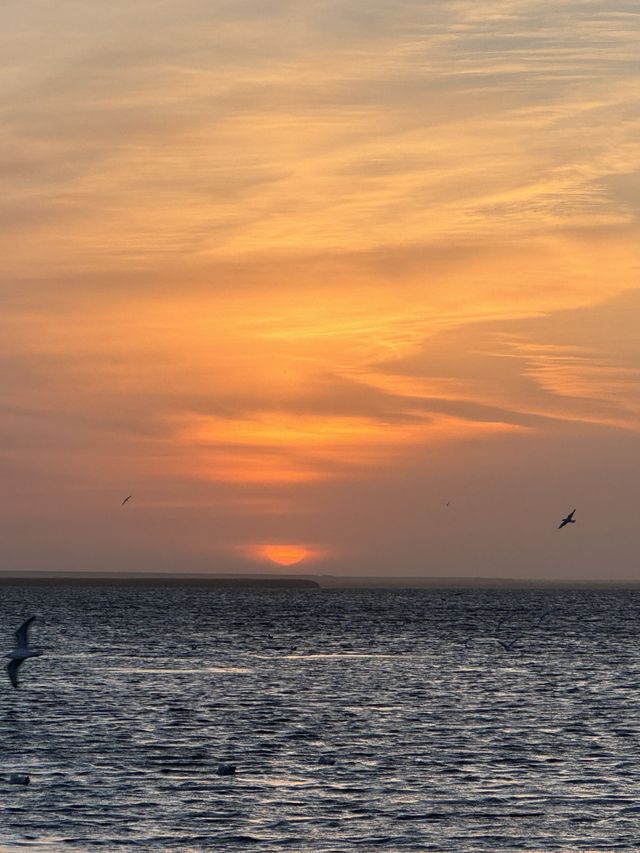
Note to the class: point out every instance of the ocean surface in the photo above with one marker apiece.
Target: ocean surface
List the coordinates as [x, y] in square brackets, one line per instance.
[443, 740]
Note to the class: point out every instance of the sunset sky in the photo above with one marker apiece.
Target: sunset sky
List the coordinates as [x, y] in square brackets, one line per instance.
[297, 274]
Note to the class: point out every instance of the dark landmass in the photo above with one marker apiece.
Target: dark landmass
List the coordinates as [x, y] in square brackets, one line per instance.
[299, 581]
[461, 583]
[150, 580]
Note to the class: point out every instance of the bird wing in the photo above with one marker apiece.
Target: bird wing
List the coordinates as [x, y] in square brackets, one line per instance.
[12, 668]
[567, 520]
[502, 622]
[22, 634]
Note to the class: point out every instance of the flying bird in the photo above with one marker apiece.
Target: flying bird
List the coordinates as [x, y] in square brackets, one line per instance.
[507, 645]
[21, 652]
[568, 520]
[128, 498]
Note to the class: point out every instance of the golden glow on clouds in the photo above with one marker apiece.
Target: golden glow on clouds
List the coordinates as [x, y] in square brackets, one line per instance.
[284, 248]
[275, 447]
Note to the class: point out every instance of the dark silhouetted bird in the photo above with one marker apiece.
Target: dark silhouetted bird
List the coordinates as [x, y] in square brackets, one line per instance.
[568, 520]
[21, 652]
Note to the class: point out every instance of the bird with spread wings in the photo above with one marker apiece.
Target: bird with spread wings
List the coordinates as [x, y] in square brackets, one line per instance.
[568, 520]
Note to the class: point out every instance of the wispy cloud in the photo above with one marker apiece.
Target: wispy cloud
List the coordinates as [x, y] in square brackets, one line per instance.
[296, 246]
[231, 130]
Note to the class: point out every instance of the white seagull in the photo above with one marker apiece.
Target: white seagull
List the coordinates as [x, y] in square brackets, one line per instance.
[568, 520]
[21, 651]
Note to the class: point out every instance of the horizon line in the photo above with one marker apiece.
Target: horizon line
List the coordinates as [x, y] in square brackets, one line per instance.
[324, 580]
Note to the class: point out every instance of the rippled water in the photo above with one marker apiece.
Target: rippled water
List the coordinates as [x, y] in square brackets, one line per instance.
[442, 739]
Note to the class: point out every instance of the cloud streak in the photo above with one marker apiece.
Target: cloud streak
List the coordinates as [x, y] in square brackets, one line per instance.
[253, 252]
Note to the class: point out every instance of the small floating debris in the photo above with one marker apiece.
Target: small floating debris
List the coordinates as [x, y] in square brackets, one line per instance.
[225, 769]
[327, 760]
[18, 779]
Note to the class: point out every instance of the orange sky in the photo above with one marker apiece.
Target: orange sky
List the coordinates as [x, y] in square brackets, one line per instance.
[296, 275]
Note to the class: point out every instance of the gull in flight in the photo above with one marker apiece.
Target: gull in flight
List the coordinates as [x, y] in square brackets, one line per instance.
[128, 498]
[21, 651]
[568, 520]
[507, 645]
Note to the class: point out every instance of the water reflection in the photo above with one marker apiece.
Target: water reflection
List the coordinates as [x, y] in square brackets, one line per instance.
[438, 747]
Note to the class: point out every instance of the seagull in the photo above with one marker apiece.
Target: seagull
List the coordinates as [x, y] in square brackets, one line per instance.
[544, 616]
[568, 520]
[128, 498]
[507, 645]
[502, 622]
[21, 651]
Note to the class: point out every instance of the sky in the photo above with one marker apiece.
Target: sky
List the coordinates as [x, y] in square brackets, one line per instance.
[342, 287]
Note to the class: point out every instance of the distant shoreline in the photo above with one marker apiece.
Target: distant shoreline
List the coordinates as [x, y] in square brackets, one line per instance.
[309, 582]
[157, 580]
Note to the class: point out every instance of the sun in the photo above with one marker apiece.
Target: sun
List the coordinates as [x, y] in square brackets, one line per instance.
[284, 555]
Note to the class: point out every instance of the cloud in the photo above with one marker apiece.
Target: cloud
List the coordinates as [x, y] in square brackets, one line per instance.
[258, 256]
[570, 365]
[234, 129]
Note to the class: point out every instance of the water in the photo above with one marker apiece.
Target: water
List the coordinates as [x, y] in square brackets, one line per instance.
[443, 741]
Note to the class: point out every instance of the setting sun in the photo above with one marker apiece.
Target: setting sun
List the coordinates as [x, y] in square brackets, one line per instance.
[284, 555]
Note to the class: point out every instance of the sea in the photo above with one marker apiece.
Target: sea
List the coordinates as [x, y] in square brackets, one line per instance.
[472, 721]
